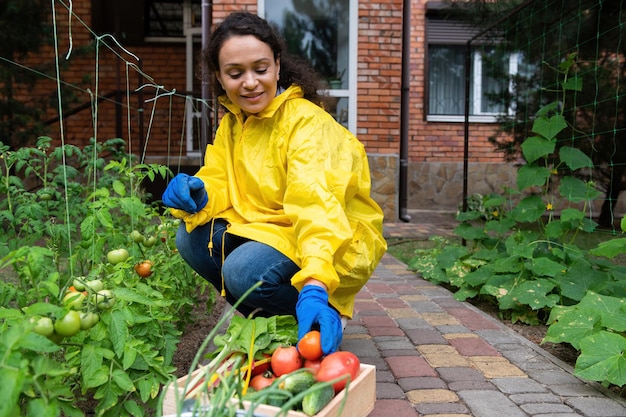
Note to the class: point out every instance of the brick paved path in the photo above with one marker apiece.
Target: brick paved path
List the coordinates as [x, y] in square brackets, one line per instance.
[438, 357]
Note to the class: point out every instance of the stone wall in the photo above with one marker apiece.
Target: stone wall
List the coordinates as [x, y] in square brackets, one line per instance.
[438, 186]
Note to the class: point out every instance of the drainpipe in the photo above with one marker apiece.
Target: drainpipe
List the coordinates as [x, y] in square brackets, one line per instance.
[404, 111]
[207, 22]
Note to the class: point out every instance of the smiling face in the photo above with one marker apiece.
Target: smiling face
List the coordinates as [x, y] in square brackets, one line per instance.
[248, 72]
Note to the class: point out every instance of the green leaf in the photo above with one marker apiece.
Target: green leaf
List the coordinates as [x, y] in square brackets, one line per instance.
[132, 296]
[581, 277]
[546, 267]
[532, 175]
[450, 255]
[94, 373]
[537, 147]
[569, 214]
[11, 381]
[603, 358]
[501, 227]
[610, 248]
[469, 232]
[535, 293]
[576, 190]
[119, 188]
[574, 83]
[529, 209]
[38, 407]
[549, 127]
[118, 331]
[574, 158]
[571, 327]
[122, 380]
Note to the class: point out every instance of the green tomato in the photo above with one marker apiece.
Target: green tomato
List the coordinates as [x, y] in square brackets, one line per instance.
[136, 236]
[150, 242]
[69, 324]
[117, 255]
[79, 283]
[94, 285]
[74, 300]
[44, 326]
[88, 320]
[103, 299]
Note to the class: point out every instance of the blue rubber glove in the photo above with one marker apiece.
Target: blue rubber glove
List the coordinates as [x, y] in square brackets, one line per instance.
[186, 193]
[312, 307]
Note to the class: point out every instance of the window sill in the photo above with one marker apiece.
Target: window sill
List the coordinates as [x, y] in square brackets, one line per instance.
[461, 119]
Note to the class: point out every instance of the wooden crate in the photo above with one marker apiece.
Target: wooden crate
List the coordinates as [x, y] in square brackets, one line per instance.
[360, 401]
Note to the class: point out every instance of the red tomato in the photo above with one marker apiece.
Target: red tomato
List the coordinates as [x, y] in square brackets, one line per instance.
[259, 369]
[261, 381]
[285, 359]
[336, 365]
[310, 346]
[144, 269]
[312, 365]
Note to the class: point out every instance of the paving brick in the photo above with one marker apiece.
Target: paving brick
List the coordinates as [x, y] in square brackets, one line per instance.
[432, 396]
[471, 385]
[439, 319]
[378, 321]
[490, 404]
[496, 367]
[552, 408]
[597, 407]
[413, 323]
[402, 367]
[438, 409]
[389, 390]
[395, 408]
[394, 343]
[473, 347]
[518, 385]
[385, 331]
[472, 319]
[425, 337]
[535, 398]
[392, 302]
[423, 382]
[403, 313]
[455, 374]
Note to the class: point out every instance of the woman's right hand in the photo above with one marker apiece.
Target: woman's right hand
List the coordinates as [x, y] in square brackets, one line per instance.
[186, 193]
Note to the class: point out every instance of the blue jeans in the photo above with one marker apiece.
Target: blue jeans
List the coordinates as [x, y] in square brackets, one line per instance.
[245, 262]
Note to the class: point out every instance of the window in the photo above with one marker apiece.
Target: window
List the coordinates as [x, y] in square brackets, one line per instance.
[323, 32]
[491, 69]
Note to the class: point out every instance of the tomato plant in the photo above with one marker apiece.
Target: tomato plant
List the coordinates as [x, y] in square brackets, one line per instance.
[339, 364]
[261, 381]
[285, 359]
[68, 325]
[310, 346]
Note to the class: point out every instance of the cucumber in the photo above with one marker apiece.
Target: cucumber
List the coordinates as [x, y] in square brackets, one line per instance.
[298, 382]
[318, 398]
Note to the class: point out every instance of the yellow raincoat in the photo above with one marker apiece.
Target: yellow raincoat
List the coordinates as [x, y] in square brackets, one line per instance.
[293, 178]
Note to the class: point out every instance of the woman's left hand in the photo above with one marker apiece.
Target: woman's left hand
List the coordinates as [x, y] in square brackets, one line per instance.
[313, 307]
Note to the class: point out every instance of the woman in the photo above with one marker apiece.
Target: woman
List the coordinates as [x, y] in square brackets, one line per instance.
[283, 196]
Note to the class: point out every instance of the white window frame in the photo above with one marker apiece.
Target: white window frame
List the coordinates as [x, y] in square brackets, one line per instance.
[351, 92]
[477, 97]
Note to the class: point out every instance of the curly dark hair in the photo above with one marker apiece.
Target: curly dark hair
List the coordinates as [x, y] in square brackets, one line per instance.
[293, 70]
